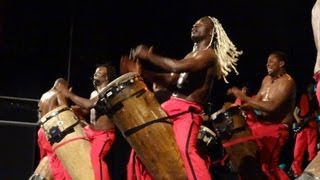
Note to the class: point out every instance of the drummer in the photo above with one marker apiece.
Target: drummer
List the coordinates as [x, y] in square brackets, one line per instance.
[274, 105]
[49, 101]
[101, 130]
[213, 55]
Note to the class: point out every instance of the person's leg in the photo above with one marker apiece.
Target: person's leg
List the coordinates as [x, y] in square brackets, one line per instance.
[298, 153]
[100, 142]
[312, 141]
[271, 144]
[135, 169]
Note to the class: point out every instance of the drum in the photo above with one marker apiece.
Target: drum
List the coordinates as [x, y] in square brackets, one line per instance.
[42, 171]
[68, 140]
[312, 171]
[232, 130]
[138, 115]
[208, 144]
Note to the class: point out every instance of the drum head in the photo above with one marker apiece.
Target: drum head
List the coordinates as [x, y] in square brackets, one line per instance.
[116, 85]
[208, 145]
[123, 78]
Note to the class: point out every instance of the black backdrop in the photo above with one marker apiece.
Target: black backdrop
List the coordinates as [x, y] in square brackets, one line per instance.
[43, 40]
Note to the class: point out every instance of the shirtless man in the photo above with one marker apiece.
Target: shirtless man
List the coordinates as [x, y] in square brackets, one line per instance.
[100, 131]
[49, 101]
[274, 103]
[213, 55]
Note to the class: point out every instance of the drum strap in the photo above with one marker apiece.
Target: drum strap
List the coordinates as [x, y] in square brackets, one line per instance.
[55, 113]
[57, 136]
[163, 119]
[240, 140]
[70, 140]
[228, 133]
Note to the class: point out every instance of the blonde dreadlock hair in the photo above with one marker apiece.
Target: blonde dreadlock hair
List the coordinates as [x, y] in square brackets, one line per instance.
[225, 50]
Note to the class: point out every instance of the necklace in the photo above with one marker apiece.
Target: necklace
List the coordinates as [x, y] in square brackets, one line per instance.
[266, 96]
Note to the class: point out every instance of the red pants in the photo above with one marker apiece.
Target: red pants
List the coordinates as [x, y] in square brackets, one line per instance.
[57, 170]
[186, 129]
[306, 140]
[101, 141]
[270, 145]
[135, 169]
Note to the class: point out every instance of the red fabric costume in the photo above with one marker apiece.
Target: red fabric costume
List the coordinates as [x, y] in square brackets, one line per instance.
[57, 170]
[306, 139]
[270, 146]
[135, 169]
[274, 137]
[101, 142]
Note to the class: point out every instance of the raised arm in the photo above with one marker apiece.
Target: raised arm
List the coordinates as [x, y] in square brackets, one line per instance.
[80, 101]
[193, 62]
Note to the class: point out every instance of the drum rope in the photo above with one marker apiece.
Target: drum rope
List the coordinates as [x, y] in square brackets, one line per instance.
[69, 140]
[162, 119]
[241, 140]
[248, 138]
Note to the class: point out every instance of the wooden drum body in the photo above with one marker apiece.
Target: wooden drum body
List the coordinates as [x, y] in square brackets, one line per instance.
[133, 108]
[312, 171]
[208, 144]
[42, 171]
[68, 140]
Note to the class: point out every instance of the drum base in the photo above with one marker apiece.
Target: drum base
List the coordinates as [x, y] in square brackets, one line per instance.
[43, 171]
[312, 171]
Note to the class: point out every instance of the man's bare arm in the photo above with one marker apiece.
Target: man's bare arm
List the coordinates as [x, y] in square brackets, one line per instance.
[197, 62]
[315, 21]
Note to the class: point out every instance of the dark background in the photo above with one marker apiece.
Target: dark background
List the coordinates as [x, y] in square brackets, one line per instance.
[43, 40]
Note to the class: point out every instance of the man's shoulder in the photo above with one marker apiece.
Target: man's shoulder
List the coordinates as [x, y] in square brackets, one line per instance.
[93, 94]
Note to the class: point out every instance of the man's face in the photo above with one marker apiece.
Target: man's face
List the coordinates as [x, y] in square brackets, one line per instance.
[199, 31]
[273, 65]
[100, 76]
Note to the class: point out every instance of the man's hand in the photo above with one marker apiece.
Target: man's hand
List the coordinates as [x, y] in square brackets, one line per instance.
[141, 52]
[64, 90]
[130, 65]
[236, 92]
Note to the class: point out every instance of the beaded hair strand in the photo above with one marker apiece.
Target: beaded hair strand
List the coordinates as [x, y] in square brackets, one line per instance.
[225, 50]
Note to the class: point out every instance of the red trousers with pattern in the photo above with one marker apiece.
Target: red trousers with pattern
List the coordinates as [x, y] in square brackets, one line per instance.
[101, 142]
[57, 170]
[306, 141]
[274, 137]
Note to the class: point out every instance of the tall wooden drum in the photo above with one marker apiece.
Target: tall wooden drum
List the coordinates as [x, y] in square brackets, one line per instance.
[42, 171]
[69, 142]
[312, 171]
[131, 105]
